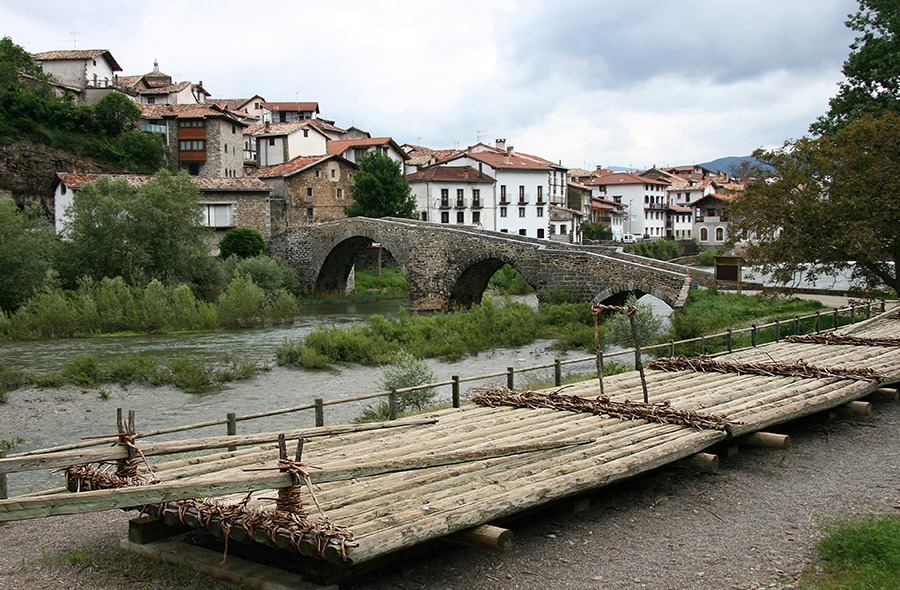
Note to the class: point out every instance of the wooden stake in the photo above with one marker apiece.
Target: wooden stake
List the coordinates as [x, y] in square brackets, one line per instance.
[768, 440]
[487, 536]
[702, 462]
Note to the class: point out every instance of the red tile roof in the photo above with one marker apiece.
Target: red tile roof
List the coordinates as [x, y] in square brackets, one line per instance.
[77, 54]
[449, 174]
[624, 178]
[293, 106]
[266, 129]
[293, 167]
[187, 111]
[75, 181]
[339, 146]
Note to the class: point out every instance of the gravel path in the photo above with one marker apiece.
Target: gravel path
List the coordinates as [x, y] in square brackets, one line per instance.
[750, 526]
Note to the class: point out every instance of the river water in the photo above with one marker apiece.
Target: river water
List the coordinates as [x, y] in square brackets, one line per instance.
[48, 417]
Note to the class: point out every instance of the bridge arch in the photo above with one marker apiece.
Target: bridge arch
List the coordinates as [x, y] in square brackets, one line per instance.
[618, 294]
[337, 264]
[469, 285]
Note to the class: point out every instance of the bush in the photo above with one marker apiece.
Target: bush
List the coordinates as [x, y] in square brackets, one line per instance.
[269, 273]
[408, 371]
[707, 257]
[83, 370]
[242, 305]
[190, 376]
[648, 326]
[241, 242]
[509, 281]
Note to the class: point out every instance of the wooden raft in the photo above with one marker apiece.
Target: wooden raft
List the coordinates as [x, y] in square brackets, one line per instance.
[429, 496]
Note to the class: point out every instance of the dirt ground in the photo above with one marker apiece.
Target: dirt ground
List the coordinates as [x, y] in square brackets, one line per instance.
[752, 525]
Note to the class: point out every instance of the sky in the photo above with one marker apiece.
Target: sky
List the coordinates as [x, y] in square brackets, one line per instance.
[588, 83]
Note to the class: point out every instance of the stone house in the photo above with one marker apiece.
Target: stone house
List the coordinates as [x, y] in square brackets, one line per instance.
[314, 189]
[286, 112]
[355, 148]
[225, 202]
[202, 139]
[271, 144]
[156, 87]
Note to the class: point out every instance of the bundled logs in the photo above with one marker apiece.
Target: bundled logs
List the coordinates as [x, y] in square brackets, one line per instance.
[834, 339]
[705, 364]
[661, 412]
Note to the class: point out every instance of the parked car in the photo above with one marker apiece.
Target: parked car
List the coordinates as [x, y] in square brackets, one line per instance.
[629, 239]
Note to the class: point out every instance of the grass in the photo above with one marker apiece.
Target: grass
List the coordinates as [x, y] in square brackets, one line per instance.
[858, 554]
[90, 370]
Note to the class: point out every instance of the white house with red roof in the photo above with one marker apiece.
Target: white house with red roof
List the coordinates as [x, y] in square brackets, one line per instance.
[225, 202]
[643, 199]
[156, 87]
[710, 219]
[457, 195]
[524, 187]
[355, 149]
[271, 144]
[286, 112]
[88, 74]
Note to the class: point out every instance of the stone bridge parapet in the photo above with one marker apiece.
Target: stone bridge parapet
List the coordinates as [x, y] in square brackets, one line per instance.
[451, 266]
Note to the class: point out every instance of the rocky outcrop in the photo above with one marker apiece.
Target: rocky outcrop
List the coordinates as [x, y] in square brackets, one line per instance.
[28, 170]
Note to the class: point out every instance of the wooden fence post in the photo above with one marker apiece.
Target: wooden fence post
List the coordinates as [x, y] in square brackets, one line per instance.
[4, 490]
[728, 340]
[753, 335]
[392, 404]
[557, 372]
[455, 391]
[777, 330]
[796, 325]
[320, 411]
[231, 426]
[510, 378]
[818, 322]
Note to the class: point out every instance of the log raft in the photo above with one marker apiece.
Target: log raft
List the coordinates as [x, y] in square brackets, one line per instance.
[457, 469]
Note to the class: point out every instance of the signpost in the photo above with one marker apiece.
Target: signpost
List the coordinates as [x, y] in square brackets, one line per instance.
[728, 269]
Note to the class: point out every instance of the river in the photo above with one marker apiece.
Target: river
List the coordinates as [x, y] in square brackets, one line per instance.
[47, 417]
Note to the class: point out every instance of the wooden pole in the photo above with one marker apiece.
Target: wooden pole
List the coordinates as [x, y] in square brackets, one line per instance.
[702, 462]
[4, 489]
[882, 394]
[487, 536]
[218, 485]
[231, 427]
[639, 365]
[320, 411]
[511, 378]
[455, 391]
[768, 440]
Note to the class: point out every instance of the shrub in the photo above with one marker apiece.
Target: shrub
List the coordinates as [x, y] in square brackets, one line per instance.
[509, 281]
[707, 257]
[408, 371]
[618, 327]
[241, 242]
[269, 273]
[83, 369]
[242, 305]
[190, 376]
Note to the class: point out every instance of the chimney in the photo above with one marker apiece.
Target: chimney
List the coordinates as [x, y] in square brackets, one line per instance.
[500, 144]
[267, 126]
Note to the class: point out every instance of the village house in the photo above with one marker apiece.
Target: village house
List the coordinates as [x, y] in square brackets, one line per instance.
[271, 144]
[355, 149]
[287, 112]
[460, 195]
[225, 202]
[253, 106]
[565, 224]
[710, 220]
[85, 74]
[156, 87]
[643, 200]
[315, 189]
[202, 139]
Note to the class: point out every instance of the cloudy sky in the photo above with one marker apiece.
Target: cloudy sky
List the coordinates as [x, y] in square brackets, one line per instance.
[588, 82]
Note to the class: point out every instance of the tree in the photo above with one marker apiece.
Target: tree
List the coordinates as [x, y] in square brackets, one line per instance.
[152, 232]
[380, 190]
[116, 114]
[242, 242]
[14, 60]
[828, 204]
[27, 245]
[872, 70]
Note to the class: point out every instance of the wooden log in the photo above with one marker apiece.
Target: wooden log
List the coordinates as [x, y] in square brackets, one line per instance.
[884, 394]
[149, 529]
[702, 462]
[82, 456]
[854, 408]
[769, 440]
[98, 500]
[486, 536]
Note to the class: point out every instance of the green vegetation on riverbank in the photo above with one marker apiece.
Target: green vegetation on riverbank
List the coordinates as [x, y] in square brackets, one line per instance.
[90, 370]
[859, 553]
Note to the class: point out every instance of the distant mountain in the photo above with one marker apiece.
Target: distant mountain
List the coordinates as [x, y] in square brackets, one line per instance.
[730, 164]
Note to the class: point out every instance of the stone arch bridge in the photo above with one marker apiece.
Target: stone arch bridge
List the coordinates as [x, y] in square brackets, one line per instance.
[451, 266]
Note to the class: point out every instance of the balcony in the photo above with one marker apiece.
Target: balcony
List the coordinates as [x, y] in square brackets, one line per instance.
[460, 204]
[476, 203]
[523, 199]
[445, 203]
[192, 155]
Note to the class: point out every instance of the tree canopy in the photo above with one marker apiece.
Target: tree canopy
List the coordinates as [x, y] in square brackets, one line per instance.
[243, 242]
[380, 189]
[27, 245]
[872, 70]
[152, 232]
[828, 204]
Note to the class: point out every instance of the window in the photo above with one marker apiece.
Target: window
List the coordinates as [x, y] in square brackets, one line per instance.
[271, 141]
[151, 100]
[521, 211]
[460, 197]
[217, 215]
[318, 173]
[306, 133]
[309, 191]
[521, 193]
[192, 145]
[563, 228]
[523, 232]
[476, 197]
[504, 231]
[476, 217]
[540, 232]
[502, 211]
[460, 217]
[502, 193]
[333, 173]
[309, 212]
[424, 216]
[720, 234]
[710, 212]
[540, 197]
[445, 197]
[540, 211]
[445, 217]
[193, 168]
[190, 123]
[232, 130]
[704, 234]
[340, 193]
